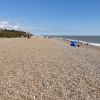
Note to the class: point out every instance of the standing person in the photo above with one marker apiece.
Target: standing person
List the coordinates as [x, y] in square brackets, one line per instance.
[28, 36]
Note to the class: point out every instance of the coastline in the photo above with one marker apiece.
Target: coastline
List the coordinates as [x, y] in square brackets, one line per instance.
[80, 41]
[83, 44]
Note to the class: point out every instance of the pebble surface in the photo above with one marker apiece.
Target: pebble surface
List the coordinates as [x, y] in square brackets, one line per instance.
[48, 69]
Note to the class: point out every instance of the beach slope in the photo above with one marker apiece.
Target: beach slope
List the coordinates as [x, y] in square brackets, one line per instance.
[48, 69]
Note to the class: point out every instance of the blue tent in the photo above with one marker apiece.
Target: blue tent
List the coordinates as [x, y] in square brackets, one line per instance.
[74, 43]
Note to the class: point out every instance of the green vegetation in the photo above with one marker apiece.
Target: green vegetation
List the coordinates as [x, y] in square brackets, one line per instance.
[13, 33]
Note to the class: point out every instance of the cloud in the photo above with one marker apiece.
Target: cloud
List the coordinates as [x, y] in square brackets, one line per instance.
[12, 25]
[18, 26]
[35, 29]
[4, 24]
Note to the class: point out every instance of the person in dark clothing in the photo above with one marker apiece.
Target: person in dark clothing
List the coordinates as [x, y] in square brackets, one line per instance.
[28, 36]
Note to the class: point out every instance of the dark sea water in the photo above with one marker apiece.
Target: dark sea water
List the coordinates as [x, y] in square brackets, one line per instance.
[92, 39]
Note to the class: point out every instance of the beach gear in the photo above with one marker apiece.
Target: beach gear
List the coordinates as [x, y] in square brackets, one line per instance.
[74, 43]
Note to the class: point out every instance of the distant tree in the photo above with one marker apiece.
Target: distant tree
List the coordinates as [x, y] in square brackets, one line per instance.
[5, 30]
[12, 33]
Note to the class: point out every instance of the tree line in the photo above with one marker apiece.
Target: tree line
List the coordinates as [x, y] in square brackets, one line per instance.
[13, 33]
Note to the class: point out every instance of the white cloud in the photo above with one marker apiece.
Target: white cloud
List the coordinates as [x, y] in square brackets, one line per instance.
[4, 24]
[18, 26]
[10, 25]
[33, 29]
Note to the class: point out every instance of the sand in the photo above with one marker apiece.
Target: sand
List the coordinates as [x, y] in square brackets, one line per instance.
[48, 69]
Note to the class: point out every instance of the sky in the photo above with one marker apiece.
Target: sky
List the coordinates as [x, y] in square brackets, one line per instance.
[51, 17]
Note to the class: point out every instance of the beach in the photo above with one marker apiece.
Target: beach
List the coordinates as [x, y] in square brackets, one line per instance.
[48, 69]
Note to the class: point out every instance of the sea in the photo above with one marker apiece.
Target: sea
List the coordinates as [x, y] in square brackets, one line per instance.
[94, 40]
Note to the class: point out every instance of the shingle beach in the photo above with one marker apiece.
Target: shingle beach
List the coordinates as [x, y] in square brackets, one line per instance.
[48, 69]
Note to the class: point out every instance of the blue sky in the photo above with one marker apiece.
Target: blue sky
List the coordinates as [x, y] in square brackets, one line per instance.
[57, 17]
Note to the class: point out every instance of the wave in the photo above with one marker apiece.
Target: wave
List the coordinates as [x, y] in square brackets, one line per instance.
[84, 42]
[95, 44]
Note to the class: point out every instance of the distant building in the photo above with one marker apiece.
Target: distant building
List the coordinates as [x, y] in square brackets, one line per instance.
[1, 29]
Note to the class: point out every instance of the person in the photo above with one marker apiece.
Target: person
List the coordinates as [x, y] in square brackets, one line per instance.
[87, 43]
[28, 36]
[78, 44]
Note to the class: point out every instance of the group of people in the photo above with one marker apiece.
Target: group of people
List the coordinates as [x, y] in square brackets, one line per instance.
[77, 43]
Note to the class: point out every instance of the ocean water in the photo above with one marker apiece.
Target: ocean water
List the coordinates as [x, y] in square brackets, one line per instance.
[91, 39]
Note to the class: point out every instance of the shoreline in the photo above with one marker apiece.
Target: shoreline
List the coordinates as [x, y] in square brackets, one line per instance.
[84, 46]
[80, 41]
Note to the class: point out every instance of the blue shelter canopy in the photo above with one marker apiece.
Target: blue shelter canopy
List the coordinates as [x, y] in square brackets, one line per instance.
[74, 43]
